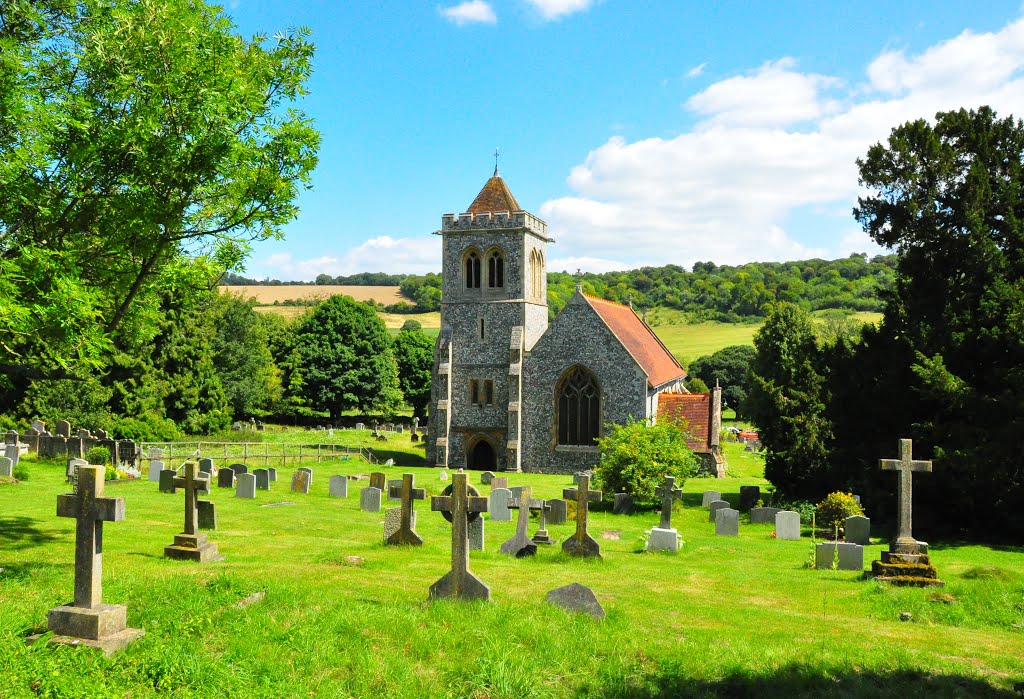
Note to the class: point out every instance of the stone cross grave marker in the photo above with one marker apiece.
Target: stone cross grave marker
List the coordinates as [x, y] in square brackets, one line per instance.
[520, 545]
[190, 545]
[663, 536]
[407, 494]
[905, 542]
[87, 619]
[541, 536]
[458, 504]
[581, 543]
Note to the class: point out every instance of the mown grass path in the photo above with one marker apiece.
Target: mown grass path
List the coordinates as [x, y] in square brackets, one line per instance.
[739, 616]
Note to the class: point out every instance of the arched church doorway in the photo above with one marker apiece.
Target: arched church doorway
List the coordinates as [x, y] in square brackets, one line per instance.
[482, 457]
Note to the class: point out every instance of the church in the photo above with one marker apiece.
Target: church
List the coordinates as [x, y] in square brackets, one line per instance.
[513, 392]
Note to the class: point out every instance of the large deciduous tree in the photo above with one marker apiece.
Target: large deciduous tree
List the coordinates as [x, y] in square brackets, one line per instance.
[133, 133]
[414, 353]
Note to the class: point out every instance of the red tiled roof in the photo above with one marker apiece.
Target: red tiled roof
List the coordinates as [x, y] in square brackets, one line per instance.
[689, 411]
[495, 196]
[639, 340]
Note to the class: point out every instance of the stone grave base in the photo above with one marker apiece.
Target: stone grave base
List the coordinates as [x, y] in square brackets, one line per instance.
[104, 627]
[909, 566]
[189, 547]
[542, 537]
[663, 540]
[465, 586]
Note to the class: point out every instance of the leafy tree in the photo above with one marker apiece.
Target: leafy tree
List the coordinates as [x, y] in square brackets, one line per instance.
[787, 402]
[242, 357]
[730, 368]
[134, 133]
[636, 457]
[414, 353]
[412, 325]
[345, 359]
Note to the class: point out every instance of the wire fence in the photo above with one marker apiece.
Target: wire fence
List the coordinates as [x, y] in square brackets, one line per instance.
[265, 453]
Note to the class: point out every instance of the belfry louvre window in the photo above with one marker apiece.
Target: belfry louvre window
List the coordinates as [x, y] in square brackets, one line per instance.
[472, 270]
[579, 408]
[495, 270]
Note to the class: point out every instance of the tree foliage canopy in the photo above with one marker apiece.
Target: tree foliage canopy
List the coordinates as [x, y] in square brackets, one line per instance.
[414, 353]
[636, 457]
[730, 368]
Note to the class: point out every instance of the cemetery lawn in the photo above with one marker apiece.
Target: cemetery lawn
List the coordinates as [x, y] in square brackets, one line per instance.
[735, 616]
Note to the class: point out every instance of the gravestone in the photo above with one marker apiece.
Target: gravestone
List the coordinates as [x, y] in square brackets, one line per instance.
[576, 476]
[338, 487]
[727, 522]
[155, 467]
[787, 525]
[156, 453]
[541, 536]
[664, 537]
[246, 487]
[710, 496]
[13, 452]
[576, 598]
[300, 482]
[393, 521]
[476, 534]
[395, 497]
[907, 561]
[225, 478]
[87, 620]
[851, 556]
[499, 482]
[715, 507]
[486, 477]
[459, 504]
[581, 543]
[360, 426]
[309, 472]
[413, 437]
[207, 515]
[6, 467]
[370, 499]
[206, 466]
[378, 480]
[167, 477]
[763, 515]
[63, 429]
[558, 511]
[516, 490]
[262, 478]
[404, 492]
[190, 545]
[858, 530]
[239, 468]
[72, 472]
[39, 426]
[520, 544]
[272, 472]
[623, 504]
[443, 476]
[499, 499]
[749, 495]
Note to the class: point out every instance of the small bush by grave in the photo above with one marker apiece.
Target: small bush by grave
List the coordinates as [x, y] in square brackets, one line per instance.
[835, 508]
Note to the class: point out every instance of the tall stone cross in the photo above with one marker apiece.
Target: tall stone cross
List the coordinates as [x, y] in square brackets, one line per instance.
[407, 494]
[462, 504]
[520, 544]
[193, 481]
[90, 510]
[667, 492]
[905, 541]
[581, 543]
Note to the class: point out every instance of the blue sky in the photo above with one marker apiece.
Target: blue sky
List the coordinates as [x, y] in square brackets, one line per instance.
[645, 132]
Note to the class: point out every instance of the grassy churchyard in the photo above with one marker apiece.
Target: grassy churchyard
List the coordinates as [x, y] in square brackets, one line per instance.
[308, 602]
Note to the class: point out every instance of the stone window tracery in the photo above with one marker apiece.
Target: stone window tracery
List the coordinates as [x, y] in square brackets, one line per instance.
[579, 408]
[495, 270]
[472, 270]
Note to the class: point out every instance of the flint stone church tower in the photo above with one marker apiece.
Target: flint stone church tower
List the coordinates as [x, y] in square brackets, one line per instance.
[511, 392]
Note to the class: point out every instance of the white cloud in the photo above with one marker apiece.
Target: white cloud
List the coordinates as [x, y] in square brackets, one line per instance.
[587, 264]
[383, 254]
[556, 9]
[771, 150]
[696, 70]
[469, 12]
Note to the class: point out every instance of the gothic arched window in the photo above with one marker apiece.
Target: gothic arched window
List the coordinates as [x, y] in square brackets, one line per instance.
[495, 270]
[579, 408]
[472, 270]
[536, 274]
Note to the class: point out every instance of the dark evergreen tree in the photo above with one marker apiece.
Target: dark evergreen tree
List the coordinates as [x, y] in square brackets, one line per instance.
[414, 353]
[730, 368]
[242, 357]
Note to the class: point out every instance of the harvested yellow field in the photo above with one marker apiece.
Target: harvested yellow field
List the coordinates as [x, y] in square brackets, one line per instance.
[397, 320]
[267, 295]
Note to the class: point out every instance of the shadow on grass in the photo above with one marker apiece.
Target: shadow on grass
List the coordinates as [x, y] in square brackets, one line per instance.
[401, 458]
[21, 572]
[800, 681]
[947, 545]
[22, 532]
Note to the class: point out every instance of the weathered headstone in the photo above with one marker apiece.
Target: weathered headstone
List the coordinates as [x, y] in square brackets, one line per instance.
[476, 534]
[520, 544]
[207, 515]
[239, 468]
[206, 466]
[379, 481]
[749, 495]
[167, 477]
[156, 453]
[499, 499]
[710, 496]
[407, 494]
[39, 426]
[763, 515]
[273, 474]
[458, 507]
[262, 478]
[499, 482]
[246, 486]
[155, 467]
[576, 598]
[727, 522]
[309, 473]
[443, 476]
[370, 499]
[6, 467]
[393, 521]
[486, 477]
[63, 429]
[72, 472]
[190, 545]
[851, 556]
[394, 482]
[338, 487]
[623, 504]
[664, 537]
[858, 530]
[581, 543]
[558, 511]
[225, 478]
[87, 619]
[715, 507]
[787, 525]
[300, 482]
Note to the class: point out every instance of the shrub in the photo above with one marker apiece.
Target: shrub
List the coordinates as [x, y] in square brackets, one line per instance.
[834, 509]
[636, 457]
[98, 456]
[20, 472]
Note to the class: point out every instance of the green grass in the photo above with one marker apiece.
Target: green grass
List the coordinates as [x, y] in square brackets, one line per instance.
[738, 616]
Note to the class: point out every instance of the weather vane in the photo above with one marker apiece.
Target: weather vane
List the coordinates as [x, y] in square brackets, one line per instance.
[496, 152]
